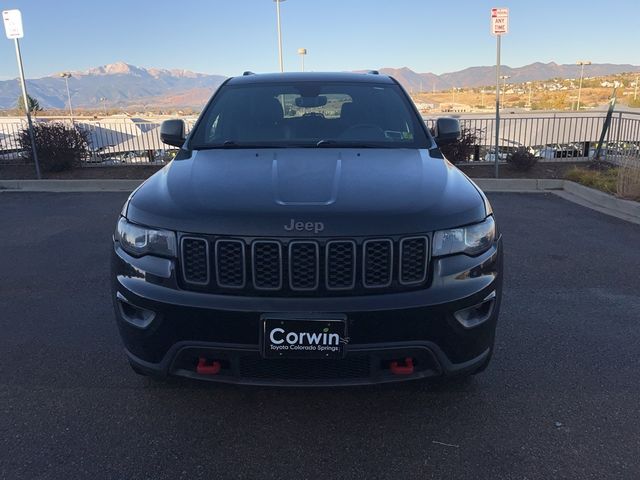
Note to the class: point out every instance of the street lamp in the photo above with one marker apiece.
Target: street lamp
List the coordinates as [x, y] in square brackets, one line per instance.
[582, 63]
[278, 2]
[504, 79]
[104, 105]
[67, 76]
[530, 86]
[302, 52]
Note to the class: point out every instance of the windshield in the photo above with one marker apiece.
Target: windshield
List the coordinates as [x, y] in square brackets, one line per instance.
[310, 114]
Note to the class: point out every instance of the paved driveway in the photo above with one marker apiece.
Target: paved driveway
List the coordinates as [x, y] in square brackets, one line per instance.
[560, 400]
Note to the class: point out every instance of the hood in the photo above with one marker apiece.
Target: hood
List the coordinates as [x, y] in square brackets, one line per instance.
[315, 191]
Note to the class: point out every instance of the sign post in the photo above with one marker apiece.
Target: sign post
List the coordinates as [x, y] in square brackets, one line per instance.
[13, 27]
[499, 27]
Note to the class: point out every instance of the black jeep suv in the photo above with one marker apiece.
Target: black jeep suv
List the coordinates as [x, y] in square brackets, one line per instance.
[308, 232]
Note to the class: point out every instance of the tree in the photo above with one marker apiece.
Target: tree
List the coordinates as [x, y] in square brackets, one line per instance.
[34, 105]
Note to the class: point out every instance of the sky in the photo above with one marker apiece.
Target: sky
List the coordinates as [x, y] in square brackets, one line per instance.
[229, 36]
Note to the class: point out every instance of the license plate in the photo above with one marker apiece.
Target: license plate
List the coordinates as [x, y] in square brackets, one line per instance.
[287, 337]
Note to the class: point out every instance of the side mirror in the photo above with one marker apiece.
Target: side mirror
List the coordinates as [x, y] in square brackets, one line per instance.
[172, 132]
[447, 131]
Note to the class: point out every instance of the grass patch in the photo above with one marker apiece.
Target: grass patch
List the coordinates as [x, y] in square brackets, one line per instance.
[604, 180]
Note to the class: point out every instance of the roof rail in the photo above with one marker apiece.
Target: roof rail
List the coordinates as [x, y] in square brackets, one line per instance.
[373, 72]
[244, 74]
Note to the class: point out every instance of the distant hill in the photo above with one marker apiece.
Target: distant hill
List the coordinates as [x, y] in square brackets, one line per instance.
[121, 84]
[128, 86]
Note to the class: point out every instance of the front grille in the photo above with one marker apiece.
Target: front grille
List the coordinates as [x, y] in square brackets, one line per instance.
[378, 263]
[195, 265]
[304, 271]
[285, 266]
[341, 264]
[413, 260]
[230, 264]
[267, 265]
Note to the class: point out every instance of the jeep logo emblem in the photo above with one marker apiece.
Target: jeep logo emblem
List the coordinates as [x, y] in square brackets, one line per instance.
[315, 227]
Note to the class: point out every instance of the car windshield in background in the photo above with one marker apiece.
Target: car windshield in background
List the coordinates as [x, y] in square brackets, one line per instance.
[310, 114]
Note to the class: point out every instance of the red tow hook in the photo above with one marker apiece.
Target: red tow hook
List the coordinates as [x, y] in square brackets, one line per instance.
[406, 369]
[204, 369]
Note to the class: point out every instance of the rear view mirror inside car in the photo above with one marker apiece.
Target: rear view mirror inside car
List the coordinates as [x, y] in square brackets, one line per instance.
[311, 102]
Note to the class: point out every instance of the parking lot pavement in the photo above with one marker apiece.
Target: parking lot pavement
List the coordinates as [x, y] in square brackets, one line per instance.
[560, 400]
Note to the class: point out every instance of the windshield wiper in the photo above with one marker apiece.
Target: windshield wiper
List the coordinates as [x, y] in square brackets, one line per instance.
[230, 144]
[339, 144]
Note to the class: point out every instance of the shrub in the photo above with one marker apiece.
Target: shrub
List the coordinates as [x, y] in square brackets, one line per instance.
[60, 147]
[464, 148]
[522, 159]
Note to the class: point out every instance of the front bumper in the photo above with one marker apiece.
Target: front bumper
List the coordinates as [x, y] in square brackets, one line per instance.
[185, 326]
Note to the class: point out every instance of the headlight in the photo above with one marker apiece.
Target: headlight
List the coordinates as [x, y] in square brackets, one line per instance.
[139, 241]
[471, 240]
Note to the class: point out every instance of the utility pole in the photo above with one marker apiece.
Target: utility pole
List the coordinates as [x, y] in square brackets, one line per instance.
[302, 52]
[278, 2]
[13, 27]
[504, 79]
[67, 76]
[582, 63]
[499, 27]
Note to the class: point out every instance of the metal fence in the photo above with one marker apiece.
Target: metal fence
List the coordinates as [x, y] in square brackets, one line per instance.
[111, 142]
[553, 137]
[550, 136]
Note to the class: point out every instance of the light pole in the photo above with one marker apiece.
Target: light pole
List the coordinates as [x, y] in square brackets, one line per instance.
[530, 86]
[504, 79]
[635, 92]
[67, 76]
[104, 105]
[302, 52]
[482, 92]
[582, 63]
[278, 2]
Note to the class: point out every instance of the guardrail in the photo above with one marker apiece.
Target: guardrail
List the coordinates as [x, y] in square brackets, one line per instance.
[550, 136]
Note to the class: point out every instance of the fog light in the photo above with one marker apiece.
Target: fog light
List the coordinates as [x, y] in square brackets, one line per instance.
[473, 316]
[137, 316]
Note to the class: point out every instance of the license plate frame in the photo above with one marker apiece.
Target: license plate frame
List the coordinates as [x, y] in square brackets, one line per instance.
[326, 326]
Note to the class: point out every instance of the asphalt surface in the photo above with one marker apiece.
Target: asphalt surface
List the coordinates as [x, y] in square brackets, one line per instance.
[561, 398]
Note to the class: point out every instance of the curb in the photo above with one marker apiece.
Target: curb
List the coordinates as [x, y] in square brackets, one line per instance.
[523, 185]
[574, 192]
[588, 197]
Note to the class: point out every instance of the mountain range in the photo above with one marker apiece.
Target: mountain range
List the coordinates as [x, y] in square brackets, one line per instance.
[126, 86]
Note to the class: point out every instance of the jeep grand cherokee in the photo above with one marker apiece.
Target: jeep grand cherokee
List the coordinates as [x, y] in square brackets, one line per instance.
[308, 232]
